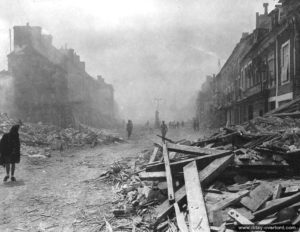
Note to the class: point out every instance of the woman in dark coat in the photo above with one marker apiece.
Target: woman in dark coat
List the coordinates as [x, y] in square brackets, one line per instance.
[10, 151]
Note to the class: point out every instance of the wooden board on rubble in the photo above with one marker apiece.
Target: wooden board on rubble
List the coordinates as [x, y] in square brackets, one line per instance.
[196, 204]
[207, 175]
[201, 161]
[193, 150]
[241, 219]
[171, 194]
[257, 197]
[229, 201]
[152, 175]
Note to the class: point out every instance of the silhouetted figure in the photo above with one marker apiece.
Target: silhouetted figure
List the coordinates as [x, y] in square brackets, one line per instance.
[164, 130]
[177, 125]
[10, 151]
[182, 124]
[129, 128]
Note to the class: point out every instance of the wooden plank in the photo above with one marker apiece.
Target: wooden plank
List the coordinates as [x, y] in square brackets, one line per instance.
[171, 194]
[229, 201]
[198, 219]
[277, 191]
[207, 175]
[239, 217]
[193, 150]
[257, 197]
[276, 207]
[180, 219]
[153, 156]
[152, 175]
[178, 165]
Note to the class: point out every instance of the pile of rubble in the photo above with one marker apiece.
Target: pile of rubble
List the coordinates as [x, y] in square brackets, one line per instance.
[247, 175]
[39, 139]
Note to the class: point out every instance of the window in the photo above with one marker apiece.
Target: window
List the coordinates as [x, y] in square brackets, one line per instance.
[271, 70]
[285, 62]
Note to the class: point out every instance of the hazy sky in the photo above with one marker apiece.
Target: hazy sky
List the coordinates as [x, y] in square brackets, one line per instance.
[145, 48]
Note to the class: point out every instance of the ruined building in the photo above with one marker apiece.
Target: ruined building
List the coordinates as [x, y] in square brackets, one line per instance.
[262, 73]
[52, 86]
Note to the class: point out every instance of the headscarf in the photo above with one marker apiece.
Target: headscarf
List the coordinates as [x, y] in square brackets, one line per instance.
[14, 130]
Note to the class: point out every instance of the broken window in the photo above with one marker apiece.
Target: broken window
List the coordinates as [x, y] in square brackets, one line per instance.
[285, 62]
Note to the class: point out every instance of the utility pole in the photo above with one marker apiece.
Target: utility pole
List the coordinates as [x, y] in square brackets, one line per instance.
[157, 121]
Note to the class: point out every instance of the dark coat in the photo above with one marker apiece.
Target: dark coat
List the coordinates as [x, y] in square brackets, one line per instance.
[10, 146]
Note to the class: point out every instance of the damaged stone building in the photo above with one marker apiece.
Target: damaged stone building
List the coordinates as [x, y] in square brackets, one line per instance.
[52, 86]
[261, 74]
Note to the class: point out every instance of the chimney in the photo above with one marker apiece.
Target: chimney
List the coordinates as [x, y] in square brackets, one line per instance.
[266, 8]
[257, 19]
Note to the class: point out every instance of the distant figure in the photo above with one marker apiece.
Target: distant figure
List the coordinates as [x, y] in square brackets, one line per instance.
[182, 124]
[177, 125]
[10, 151]
[164, 130]
[129, 128]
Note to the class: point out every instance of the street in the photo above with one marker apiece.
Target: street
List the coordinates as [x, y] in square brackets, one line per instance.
[62, 193]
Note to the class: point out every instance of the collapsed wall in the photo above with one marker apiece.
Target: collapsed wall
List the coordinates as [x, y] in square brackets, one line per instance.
[52, 86]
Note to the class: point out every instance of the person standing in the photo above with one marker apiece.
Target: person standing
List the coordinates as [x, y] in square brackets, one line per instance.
[164, 130]
[10, 151]
[129, 128]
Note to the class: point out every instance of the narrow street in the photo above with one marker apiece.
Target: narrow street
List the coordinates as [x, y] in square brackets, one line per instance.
[62, 193]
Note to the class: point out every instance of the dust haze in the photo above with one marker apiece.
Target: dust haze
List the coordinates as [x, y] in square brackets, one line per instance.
[146, 49]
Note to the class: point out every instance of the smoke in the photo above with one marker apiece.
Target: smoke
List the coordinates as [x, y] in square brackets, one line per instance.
[146, 49]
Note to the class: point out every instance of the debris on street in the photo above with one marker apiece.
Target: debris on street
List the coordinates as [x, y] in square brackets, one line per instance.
[248, 174]
[38, 140]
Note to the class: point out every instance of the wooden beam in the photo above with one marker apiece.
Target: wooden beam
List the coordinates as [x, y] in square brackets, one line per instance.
[229, 201]
[195, 199]
[153, 156]
[152, 175]
[257, 197]
[202, 161]
[207, 175]
[276, 207]
[239, 217]
[171, 194]
[194, 150]
[180, 219]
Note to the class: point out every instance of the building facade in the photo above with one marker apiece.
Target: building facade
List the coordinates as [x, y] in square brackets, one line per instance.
[51, 85]
[263, 71]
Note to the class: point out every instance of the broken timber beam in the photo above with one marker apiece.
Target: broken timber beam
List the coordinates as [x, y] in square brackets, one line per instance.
[196, 204]
[207, 175]
[171, 194]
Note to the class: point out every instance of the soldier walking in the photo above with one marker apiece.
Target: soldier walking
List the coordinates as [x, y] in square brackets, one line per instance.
[164, 130]
[129, 128]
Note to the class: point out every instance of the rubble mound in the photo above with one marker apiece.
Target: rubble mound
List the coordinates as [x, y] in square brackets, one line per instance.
[37, 139]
